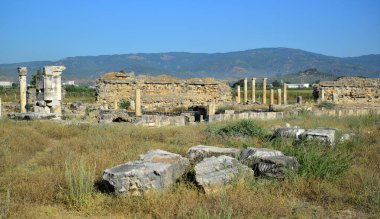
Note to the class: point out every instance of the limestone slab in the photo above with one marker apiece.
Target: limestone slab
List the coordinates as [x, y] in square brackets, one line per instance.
[198, 153]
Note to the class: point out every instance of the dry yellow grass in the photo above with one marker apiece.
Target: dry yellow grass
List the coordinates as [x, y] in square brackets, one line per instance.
[33, 156]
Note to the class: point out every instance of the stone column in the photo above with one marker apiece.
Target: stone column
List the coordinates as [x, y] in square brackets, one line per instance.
[245, 90]
[115, 105]
[271, 97]
[264, 90]
[322, 95]
[53, 87]
[0, 107]
[279, 97]
[138, 103]
[211, 109]
[253, 90]
[285, 94]
[238, 99]
[22, 72]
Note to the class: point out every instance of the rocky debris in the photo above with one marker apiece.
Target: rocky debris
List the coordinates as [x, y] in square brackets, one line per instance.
[320, 134]
[34, 116]
[77, 106]
[213, 172]
[197, 153]
[157, 169]
[268, 162]
[347, 136]
[288, 132]
[274, 166]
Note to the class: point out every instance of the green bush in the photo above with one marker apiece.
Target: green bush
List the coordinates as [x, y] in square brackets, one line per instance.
[238, 128]
[79, 181]
[124, 104]
[321, 161]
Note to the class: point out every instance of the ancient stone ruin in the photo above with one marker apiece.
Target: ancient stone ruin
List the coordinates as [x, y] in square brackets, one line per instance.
[161, 93]
[350, 90]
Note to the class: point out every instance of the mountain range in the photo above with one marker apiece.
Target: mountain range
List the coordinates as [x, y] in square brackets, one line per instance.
[265, 62]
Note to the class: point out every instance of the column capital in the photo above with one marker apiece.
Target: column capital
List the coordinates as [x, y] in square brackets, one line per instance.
[53, 70]
[265, 79]
[22, 71]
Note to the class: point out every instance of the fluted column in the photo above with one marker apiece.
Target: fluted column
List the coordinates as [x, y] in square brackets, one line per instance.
[279, 96]
[271, 97]
[238, 98]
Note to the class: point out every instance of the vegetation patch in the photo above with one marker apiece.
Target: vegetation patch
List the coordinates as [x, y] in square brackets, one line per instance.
[239, 128]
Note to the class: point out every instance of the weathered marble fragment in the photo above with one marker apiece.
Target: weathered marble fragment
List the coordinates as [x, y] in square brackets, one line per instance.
[198, 153]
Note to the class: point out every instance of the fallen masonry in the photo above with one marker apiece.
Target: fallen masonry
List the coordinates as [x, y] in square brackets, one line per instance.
[213, 172]
[210, 168]
[320, 134]
[197, 153]
[157, 169]
[288, 132]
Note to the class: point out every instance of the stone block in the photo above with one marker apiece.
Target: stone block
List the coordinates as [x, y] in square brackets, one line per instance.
[198, 153]
[214, 172]
[320, 134]
[274, 166]
[249, 155]
[288, 132]
[229, 111]
[157, 170]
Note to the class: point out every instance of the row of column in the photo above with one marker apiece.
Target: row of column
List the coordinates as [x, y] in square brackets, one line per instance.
[238, 97]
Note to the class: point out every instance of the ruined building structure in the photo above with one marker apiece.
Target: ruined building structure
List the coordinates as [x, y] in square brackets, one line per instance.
[46, 97]
[350, 90]
[161, 92]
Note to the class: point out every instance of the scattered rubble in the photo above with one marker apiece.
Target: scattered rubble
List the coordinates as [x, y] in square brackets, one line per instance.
[197, 153]
[288, 132]
[213, 172]
[157, 169]
[320, 134]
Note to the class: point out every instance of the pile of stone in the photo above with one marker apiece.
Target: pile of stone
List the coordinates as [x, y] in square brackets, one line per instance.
[327, 135]
[211, 168]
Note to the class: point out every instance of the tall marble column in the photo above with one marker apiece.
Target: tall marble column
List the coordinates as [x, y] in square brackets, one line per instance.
[271, 97]
[264, 90]
[22, 72]
[238, 98]
[279, 96]
[138, 102]
[245, 90]
[253, 90]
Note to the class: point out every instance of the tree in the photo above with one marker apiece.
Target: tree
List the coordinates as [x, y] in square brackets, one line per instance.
[276, 83]
[38, 74]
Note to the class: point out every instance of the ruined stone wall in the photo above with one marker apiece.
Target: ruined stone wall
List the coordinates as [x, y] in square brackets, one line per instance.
[351, 90]
[161, 92]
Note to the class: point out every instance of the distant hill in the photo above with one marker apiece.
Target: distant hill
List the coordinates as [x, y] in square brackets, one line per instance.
[266, 62]
[307, 76]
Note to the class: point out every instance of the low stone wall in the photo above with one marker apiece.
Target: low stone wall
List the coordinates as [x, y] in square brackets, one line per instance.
[245, 115]
[348, 112]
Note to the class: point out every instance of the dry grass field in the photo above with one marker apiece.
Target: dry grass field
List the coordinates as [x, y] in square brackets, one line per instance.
[50, 169]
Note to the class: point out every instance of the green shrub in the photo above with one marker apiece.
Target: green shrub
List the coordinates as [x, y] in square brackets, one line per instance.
[319, 160]
[79, 181]
[238, 128]
[327, 105]
[124, 104]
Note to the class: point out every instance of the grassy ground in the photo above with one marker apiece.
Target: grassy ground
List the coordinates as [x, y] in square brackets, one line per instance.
[38, 162]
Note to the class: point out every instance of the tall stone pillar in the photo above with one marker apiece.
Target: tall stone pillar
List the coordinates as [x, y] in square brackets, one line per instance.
[53, 87]
[238, 98]
[22, 72]
[253, 90]
[264, 90]
[279, 97]
[245, 90]
[138, 102]
[322, 95]
[285, 94]
[271, 97]
[211, 109]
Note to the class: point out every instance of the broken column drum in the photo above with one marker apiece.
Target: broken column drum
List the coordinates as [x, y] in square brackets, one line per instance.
[22, 72]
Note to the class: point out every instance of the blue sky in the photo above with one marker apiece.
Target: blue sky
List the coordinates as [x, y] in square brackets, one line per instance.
[32, 30]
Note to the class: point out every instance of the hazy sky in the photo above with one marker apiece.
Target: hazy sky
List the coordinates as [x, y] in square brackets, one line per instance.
[32, 30]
